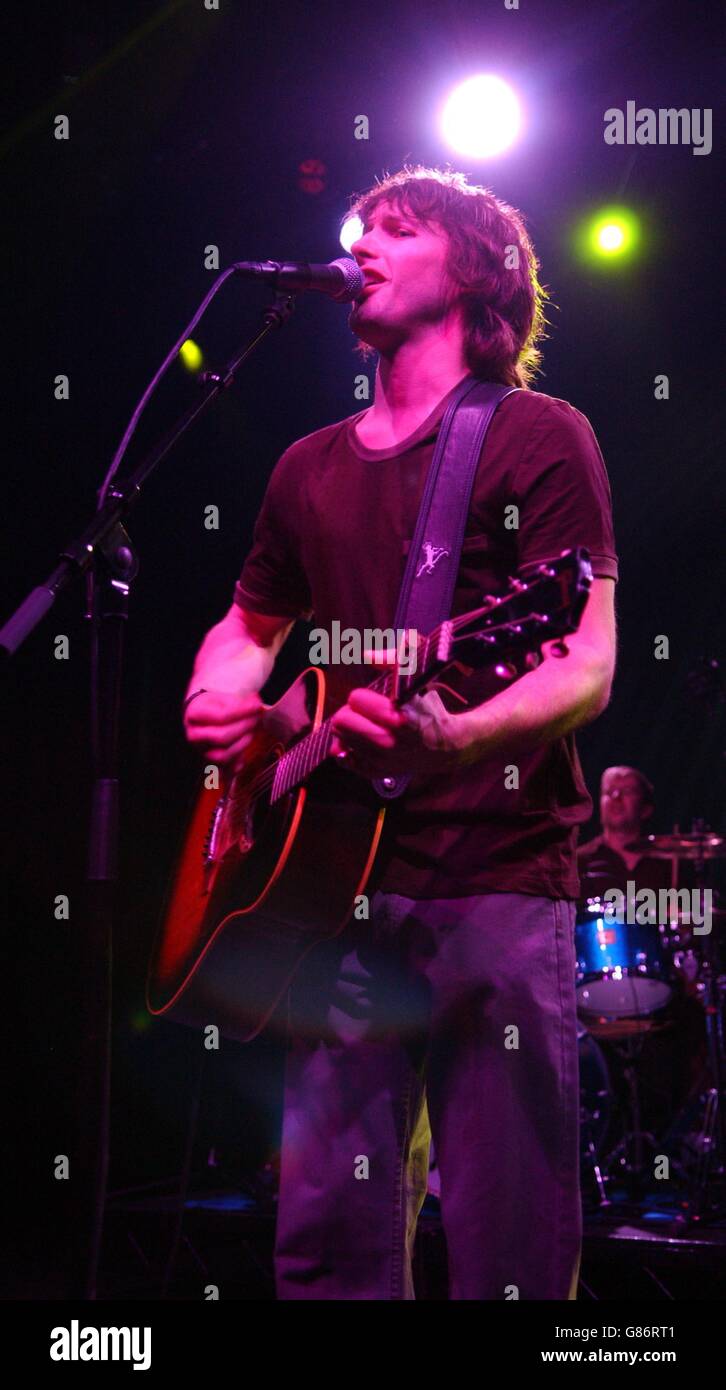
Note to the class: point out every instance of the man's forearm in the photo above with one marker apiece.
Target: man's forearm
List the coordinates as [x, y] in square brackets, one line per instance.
[560, 695]
[230, 660]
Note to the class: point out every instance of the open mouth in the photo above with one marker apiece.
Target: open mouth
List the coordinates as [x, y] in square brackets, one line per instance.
[370, 285]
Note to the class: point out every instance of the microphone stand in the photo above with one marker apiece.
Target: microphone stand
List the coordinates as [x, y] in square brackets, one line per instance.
[104, 552]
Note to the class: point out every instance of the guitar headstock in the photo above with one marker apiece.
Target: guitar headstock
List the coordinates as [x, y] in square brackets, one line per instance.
[545, 606]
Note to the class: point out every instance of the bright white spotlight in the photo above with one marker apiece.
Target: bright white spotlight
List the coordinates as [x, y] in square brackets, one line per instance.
[481, 117]
[351, 232]
[611, 238]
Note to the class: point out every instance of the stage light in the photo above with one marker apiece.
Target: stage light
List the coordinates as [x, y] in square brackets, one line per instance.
[482, 117]
[351, 231]
[611, 236]
[191, 355]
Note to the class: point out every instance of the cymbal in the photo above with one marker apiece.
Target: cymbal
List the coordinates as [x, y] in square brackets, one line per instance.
[682, 846]
[617, 1028]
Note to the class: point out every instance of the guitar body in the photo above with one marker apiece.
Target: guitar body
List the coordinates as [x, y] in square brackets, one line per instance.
[258, 884]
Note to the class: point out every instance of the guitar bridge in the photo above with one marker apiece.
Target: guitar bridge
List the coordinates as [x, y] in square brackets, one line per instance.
[211, 842]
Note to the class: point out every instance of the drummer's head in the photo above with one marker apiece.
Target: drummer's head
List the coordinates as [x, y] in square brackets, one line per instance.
[626, 799]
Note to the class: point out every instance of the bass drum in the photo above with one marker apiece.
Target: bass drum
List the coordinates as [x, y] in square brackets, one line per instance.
[596, 1109]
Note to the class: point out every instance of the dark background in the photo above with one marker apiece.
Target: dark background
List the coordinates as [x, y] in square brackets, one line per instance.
[191, 127]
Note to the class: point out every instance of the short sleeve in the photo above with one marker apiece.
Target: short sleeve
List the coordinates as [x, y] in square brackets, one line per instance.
[562, 490]
[273, 581]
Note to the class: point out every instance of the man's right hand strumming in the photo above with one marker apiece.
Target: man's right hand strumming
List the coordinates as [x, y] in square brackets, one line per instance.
[223, 725]
[233, 663]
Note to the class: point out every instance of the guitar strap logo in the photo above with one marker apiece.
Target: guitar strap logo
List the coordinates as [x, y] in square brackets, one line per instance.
[433, 554]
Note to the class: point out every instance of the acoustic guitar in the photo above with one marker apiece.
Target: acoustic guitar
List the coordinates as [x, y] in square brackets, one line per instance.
[277, 859]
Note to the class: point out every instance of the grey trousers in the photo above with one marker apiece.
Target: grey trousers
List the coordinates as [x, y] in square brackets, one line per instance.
[458, 1014]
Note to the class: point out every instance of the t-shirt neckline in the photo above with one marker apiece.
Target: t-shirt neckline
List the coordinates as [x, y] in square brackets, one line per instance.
[426, 428]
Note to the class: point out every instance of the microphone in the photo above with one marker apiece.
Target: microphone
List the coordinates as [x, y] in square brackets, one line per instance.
[343, 279]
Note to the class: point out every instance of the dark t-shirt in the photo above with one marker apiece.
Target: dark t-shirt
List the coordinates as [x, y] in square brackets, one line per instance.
[601, 867]
[331, 542]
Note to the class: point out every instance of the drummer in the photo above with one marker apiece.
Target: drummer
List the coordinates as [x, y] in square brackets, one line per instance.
[671, 1061]
[620, 852]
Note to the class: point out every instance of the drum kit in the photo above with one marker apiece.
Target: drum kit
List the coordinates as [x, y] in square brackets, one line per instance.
[651, 1001]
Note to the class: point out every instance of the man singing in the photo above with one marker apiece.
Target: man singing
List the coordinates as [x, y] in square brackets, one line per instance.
[453, 1005]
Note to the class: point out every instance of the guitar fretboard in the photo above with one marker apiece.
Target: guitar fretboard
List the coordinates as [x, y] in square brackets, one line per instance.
[312, 750]
[297, 764]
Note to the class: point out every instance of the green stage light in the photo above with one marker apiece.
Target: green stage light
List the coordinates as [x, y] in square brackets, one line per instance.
[612, 236]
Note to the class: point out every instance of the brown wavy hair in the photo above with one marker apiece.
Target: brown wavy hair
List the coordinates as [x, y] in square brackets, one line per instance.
[503, 307]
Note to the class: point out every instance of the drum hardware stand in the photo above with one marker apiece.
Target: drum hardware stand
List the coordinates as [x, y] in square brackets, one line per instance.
[629, 1152]
[592, 1159]
[711, 1163]
[587, 1132]
[709, 1166]
[700, 846]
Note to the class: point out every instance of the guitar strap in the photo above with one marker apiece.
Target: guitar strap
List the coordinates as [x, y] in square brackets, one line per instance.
[429, 580]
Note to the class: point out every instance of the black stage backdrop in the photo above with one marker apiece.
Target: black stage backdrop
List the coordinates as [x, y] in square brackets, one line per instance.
[191, 127]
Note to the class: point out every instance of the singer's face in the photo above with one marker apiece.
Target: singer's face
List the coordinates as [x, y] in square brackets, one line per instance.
[411, 294]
